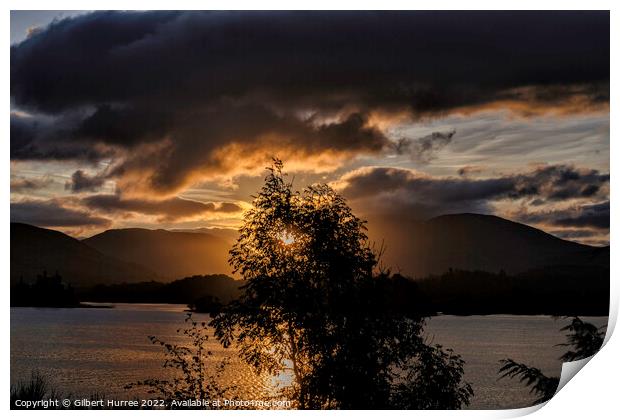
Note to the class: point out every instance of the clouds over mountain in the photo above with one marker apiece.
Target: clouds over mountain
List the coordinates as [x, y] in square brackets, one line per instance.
[595, 216]
[99, 210]
[52, 213]
[548, 183]
[173, 97]
[560, 196]
[165, 210]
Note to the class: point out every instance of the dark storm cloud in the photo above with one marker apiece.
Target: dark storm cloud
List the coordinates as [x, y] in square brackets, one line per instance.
[411, 191]
[594, 215]
[80, 181]
[379, 57]
[122, 125]
[414, 194]
[588, 223]
[52, 213]
[169, 209]
[424, 149]
[110, 83]
[254, 130]
[48, 138]
[562, 182]
[585, 216]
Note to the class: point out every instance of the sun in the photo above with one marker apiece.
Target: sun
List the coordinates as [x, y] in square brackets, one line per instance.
[286, 237]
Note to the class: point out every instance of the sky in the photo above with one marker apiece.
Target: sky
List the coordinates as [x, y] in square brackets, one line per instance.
[168, 119]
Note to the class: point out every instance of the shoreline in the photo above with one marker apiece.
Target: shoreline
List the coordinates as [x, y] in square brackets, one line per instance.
[113, 305]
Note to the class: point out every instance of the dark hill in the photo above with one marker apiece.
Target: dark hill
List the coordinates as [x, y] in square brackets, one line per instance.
[228, 235]
[35, 250]
[462, 241]
[172, 255]
[477, 242]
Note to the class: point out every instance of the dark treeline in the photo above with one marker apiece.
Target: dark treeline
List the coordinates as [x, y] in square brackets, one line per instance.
[45, 291]
[564, 290]
[190, 290]
[552, 291]
[200, 293]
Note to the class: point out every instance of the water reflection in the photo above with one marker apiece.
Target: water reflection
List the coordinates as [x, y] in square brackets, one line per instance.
[102, 350]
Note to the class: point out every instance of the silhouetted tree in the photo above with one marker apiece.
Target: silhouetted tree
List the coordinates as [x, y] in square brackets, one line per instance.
[311, 305]
[585, 339]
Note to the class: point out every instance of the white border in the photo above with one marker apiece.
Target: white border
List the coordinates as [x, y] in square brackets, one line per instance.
[592, 395]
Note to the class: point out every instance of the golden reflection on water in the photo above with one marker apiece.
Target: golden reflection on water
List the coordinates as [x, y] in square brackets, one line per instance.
[282, 379]
[89, 351]
[86, 351]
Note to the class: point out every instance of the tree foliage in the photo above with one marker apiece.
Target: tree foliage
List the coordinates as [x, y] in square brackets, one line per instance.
[542, 386]
[585, 340]
[312, 304]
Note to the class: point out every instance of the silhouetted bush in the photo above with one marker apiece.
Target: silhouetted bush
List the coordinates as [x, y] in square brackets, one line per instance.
[36, 388]
[39, 388]
[194, 378]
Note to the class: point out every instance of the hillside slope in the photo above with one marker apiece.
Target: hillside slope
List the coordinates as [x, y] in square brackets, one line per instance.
[477, 242]
[172, 255]
[34, 250]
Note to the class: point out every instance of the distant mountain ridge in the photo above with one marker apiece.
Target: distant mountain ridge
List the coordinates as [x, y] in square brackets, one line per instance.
[416, 249]
[229, 235]
[173, 255]
[35, 250]
[471, 241]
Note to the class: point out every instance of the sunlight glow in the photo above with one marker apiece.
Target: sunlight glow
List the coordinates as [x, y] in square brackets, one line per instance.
[287, 238]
